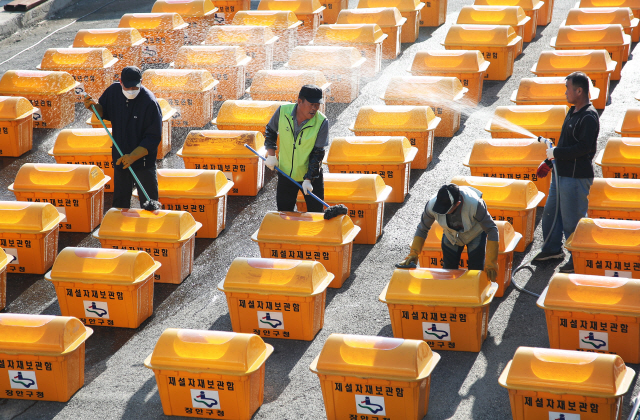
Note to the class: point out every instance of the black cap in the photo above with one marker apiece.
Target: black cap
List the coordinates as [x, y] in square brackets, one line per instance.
[311, 93]
[448, 196]
[130, 76]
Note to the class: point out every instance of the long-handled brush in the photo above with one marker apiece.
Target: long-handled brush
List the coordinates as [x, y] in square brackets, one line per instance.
[330, 212]
[149, 205]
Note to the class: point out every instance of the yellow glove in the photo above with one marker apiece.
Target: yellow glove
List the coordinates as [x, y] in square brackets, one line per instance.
[491, 260]
[411, 261]
[88, 101]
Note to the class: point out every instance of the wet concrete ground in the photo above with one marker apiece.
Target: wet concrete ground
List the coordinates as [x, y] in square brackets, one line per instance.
[463, 386]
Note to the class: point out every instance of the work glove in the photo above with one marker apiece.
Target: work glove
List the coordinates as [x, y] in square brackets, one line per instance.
[88, 101]
[491, 260]
[307, 187]
[550, 153]
[411, 261]
[545, 167]
[271, 162]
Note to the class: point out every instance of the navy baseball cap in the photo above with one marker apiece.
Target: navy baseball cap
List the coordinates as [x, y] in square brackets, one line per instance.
[447, 197]
[131, 76]
[312, 94]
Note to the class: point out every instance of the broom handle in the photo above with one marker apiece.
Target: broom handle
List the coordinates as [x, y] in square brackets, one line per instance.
[120, 151]
[288, 177]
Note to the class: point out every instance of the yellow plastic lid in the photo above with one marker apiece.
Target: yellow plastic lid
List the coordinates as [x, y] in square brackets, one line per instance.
[630, 123]
[527, 5]
[299, 7]
[142, 225]
[152, 21]
[567, 372]
[370, 149]
[481, 35]
[238, 35]
[51, 177]
[362, 356]
[382, 16]
[102, 265]
[28, 217]
[515, 118]
[192, 183]
[551, 89]
[633, 4]
[36, 82]
[5, 259]
[285, 81]
[186, 8]
[110, 37]
[592, 36]
[454, 61]
[41, 335]
[506, 153]
[276, 19]
[214, 352]
[249, 113]
[568, 61]
[501, 193]
[192, 80]
[620, 151]
[605, 236]
[508, 238]
[77, 58]
[492, 15]
[85, 141]
[221, 143]
[614, 194]
[401, 5]
[602, 15]
[427, 88]
[409, 118]
[15, 108]
[355, 188]
[165, 108]
[190, 57]
[292, 227]
[268, 276]
[325, 58]
[599, 294]
[364, 33]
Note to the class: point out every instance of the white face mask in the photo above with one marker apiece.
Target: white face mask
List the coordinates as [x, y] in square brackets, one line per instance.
[130, 94]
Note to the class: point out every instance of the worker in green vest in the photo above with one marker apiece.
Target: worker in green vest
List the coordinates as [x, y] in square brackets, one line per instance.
[304, 133]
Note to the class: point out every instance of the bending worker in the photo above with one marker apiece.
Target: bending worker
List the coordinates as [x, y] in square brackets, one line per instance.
[466, 222]
[304, 133]
[136, 121]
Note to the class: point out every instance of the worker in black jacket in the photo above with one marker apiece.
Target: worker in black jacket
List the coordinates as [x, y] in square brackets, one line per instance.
[136, 121]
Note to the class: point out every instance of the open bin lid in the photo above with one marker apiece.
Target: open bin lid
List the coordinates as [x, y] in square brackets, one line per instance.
[141, 225]
[17, 82]
[237, 35]
[213, 352]
[109, 38]
[568, 61]
[401, 5]
[325, 58]
[200, 56]
[508, 238]
[620, 151]
[527, 5]
[614, 194]
[41, 335]
[15, 108]
[102, 266]
[165, 108]
[81, 141]
[221, 143]
[605, 236]
[453, 61]
[384, 17]
[186, 8]
[393, 359]
[493, 15]
[192, 183]
[439, 287]
[630, 123]
[275, 19]
[364, 33]
[286, 81]
[409, 118]
[77, 58]
[481, 35]
[370, 150]
[152, 21]
[292, 227]
[592, 36]
[299, 7]
[602, 15]
[5, 259]
[255, 113]
[52, 177]
[355, 188]
[567, 372]
[514, 118]
[427, 88]
[501, 193]
[28, 217]
[268, 276]
[186, 81]
[551, 89]
[506, 153]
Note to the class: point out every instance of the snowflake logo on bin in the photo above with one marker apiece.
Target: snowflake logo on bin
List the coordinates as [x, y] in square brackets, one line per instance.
[94, 309]
[201, 398]
[563, 416]
[21, 379]
[436, 331]
[591, 340]
[366, 404]
[270, 320]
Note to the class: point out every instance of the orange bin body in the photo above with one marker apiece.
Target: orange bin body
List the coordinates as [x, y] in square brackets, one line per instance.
[332, 10]
[16, 125]
[285, 85]
[308, 11]
[606, 15]
[431, 255]
[77, 192]
[411, 10]
[283, 23]
[104, 287]
[532, 8]
[4, 260]
[199, 14]
[164, 34]
[228, 9]
[630, 124]
[308, 236]
[513, 16]
[620, 158]
[388, 18]
[546, 91]
[528, 121]
[611, 198]
[246, 115]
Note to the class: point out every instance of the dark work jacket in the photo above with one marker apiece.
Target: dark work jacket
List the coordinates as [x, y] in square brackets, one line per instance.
[135, 122]
[577, 144]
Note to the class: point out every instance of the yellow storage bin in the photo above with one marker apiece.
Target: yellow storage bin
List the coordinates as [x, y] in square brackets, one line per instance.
[388, 19]
[168, 236]
[630, 124]
[283, 23]
[528, 121]
[620, 158]
[308, 11]
[431, 255]
[593, 313]
[417, 123]
[509, 159]
[444, 95]
[536, 10]
[497, 43]
[389, 377]
[285, 85]
[364, 196]
[611, 198]
[308, 236]
[513, 16]
[389, 157]
[341, 66]
[257, 41]
[608, 37]
[16, 125]
[190, 92]
[632, 4]
[276, 298]
[366, 38]
[508, 199]
[105, 287]
[469, 67]
[77, 192]
[411, 10]
[52, 92]
[230, 364]
[449, 309]
[246, 115]
[164, 34]
[606, 15]
[579, 385]
[199, 14]
[546, 91]
[41, 356]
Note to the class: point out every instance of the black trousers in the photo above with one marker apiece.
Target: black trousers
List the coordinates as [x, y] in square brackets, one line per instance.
[123, 184]
[287, 193]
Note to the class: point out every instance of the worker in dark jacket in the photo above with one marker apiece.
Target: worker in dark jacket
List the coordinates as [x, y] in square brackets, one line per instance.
[304, 133]
[136, 121]
[573, 156]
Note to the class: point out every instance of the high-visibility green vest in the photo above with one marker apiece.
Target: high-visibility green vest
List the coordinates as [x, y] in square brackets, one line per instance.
[293, 157]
